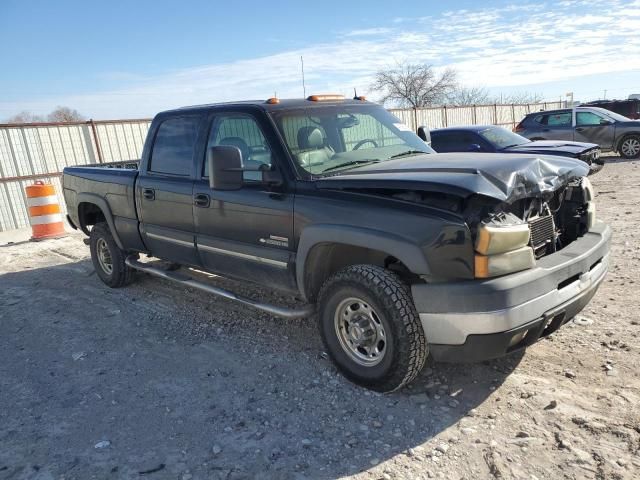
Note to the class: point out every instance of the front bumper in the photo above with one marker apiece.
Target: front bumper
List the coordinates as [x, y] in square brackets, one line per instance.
[482, 319]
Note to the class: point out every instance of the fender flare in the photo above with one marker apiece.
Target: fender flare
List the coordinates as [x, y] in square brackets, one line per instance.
[408, 253]
[102, 204]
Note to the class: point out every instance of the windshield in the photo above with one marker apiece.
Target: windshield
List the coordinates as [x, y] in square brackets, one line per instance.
[324, 139]
[502, 138]
[612, 115]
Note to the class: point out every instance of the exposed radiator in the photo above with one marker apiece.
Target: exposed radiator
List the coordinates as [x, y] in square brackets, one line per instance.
[543, 235]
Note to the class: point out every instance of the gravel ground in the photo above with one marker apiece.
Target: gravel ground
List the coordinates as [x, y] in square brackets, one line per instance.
[158, 381]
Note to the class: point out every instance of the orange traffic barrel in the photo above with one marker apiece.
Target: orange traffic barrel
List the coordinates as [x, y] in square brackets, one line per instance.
[44, 211]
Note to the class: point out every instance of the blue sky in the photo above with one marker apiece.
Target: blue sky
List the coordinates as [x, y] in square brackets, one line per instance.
[121, 59]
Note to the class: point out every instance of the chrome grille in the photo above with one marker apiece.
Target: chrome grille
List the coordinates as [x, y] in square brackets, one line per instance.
[542, 235]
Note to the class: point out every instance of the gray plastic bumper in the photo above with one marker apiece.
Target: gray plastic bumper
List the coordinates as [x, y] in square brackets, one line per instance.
[450, 312]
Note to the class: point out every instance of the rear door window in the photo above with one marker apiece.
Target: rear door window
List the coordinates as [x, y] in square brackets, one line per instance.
[558, 119]
[174, 146]
[453, 142]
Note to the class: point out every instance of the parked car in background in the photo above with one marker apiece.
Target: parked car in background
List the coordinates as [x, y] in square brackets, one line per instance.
[493, 139]
[608, 129]
[629, 108]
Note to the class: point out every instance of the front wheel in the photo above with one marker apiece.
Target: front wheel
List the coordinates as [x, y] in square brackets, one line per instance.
[108, 259]
[370, 327]
[630, 147]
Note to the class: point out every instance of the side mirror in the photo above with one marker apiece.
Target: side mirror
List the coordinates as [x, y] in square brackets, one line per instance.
[604, 121]
[425, 134]
[474, 147]
[225, 167]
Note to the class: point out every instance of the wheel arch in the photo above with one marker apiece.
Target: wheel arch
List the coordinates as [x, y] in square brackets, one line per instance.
[91, 210]
[326, 249]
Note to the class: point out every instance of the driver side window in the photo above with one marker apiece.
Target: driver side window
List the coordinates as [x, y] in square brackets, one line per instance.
[242, 131]
[587, 118]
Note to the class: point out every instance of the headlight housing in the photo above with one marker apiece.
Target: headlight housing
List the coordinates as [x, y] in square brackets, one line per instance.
[500, 264]
[502, 246]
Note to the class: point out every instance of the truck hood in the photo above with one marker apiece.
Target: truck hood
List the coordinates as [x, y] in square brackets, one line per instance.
[551, 147]
[505, 177]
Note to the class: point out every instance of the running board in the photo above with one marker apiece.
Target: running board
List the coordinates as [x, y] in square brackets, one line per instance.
[182, 279]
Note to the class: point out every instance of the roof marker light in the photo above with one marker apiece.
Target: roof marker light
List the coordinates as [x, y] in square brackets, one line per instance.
[273, 101]
[325, 97]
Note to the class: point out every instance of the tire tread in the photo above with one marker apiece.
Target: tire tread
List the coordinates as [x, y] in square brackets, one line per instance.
[395, 297]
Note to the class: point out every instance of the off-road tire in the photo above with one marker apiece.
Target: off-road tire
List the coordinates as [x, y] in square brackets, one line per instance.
[626, 139]
[121, 274]
[406, 345]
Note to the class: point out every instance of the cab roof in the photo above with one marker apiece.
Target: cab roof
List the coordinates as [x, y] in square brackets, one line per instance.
[283, 104]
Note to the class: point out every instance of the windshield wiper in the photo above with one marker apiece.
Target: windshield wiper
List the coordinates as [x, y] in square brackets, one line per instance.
[349, 164]
[408, 152]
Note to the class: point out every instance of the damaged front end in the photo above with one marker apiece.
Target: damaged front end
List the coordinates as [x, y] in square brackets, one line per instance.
[517, 209]
[509, 237]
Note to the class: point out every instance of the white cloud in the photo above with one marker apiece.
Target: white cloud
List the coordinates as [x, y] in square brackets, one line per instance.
[520, 44]
[368, 31]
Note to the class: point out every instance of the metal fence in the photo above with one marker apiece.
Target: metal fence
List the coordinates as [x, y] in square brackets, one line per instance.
[438, 117]
[40, 151]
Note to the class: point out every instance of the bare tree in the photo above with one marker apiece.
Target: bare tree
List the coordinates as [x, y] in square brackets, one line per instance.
[25, 117]
[521, 98]
[463, 96]
[65, 114]
[411, 85]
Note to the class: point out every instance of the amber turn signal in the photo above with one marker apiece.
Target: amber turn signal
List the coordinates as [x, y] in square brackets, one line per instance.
[325, 98]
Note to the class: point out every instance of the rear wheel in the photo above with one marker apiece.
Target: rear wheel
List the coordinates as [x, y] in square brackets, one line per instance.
[370, 327]
[108, 259]
[630, 146]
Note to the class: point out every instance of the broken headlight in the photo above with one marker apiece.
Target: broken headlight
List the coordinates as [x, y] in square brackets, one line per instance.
[502, 246]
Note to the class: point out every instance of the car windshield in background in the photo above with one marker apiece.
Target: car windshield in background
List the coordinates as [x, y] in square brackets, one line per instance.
[613, 115]
[502, 138]
[328, 139]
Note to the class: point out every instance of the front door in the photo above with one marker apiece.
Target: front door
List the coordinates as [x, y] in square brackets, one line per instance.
[594, 128]
[245, 233]
[165, 192]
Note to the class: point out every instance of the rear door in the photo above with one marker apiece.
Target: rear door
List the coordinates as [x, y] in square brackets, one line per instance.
[554, 126]
[594, 128]
[164, 191]
[246, 233]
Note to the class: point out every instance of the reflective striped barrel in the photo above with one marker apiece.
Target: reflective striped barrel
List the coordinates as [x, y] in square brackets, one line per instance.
[45, 214]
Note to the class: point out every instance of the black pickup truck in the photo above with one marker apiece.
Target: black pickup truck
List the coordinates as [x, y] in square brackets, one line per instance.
[401, 253]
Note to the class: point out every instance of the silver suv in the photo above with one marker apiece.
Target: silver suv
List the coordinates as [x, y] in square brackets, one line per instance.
[608, 129]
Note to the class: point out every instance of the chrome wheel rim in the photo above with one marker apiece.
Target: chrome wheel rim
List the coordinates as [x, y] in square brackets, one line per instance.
[104, 256]
[631, 147]
[360, 332]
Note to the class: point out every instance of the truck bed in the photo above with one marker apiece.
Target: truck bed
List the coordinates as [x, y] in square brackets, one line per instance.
[112, 189]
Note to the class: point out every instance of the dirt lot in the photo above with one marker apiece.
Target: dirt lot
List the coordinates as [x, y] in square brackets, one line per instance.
[155, 381]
